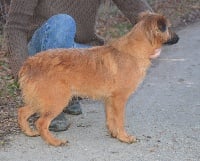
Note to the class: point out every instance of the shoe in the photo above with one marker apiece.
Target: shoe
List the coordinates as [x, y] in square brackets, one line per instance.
[60, 123]
[74, 108]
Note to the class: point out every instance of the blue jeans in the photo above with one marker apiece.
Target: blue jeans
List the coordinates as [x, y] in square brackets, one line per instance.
[57, 32]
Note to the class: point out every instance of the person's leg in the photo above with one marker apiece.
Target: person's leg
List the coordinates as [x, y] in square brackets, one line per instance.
[57, 32]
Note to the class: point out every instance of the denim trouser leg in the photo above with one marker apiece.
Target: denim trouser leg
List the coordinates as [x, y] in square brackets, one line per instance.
[57, 32]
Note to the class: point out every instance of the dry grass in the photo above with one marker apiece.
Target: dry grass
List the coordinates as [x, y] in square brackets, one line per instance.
[112, 23]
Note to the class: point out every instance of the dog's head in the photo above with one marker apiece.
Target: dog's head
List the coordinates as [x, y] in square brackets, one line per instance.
[157, 29]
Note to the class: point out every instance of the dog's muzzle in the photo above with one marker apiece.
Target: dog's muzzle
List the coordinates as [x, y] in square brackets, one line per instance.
[173, 39]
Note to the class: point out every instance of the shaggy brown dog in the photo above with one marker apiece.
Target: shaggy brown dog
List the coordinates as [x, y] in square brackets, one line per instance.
[111, 72]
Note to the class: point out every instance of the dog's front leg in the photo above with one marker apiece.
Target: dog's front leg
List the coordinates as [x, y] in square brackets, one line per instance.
[115, 110]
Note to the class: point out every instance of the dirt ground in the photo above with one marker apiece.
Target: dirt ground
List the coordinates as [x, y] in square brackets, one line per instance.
[180, 12]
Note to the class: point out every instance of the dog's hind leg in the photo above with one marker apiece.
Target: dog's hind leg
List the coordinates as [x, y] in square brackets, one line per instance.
[115, 109]
[42, 125]
[23, 114]
[51, 109]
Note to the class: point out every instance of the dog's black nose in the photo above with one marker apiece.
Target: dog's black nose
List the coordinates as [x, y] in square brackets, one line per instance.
[173, 40]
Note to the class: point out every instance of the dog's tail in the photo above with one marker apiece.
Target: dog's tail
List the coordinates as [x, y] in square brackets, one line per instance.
[24, 73]
[26, 82]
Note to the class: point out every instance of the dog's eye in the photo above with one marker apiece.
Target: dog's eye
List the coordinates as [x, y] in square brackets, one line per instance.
[161, 25]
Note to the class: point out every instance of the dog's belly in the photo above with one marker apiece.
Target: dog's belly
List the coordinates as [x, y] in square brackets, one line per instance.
[104, 88]
[91, 90]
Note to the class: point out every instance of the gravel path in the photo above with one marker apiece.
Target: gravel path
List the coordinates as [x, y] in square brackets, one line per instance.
[164, 114]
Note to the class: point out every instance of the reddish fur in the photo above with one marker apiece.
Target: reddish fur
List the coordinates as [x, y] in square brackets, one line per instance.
[111, 72]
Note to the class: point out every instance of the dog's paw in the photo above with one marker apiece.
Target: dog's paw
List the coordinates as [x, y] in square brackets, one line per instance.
[35, 133]
[127, 138]
[63, 143]
[57, 142]
[32, 133]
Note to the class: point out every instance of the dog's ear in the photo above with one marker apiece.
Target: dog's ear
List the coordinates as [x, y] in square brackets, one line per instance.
[143, 15]
[162, 25]
[155, 26]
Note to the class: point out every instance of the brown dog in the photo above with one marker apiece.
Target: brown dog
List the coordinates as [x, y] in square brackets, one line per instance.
[111, 72]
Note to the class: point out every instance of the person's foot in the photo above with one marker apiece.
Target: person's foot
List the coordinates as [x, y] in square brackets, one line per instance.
[74, 108]
[60, 123]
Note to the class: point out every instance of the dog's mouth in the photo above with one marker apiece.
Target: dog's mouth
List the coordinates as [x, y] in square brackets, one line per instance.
[174, 39]
[155, 54]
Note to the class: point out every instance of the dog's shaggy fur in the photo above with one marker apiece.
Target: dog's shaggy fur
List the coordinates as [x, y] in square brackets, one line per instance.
[112, 72]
